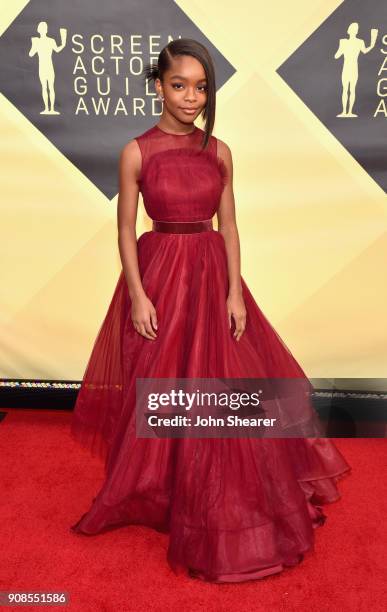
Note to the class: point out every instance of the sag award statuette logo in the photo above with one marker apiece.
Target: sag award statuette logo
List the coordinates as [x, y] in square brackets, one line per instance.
[44, 46]
[340, 73]
[75, 71]
[350, 49]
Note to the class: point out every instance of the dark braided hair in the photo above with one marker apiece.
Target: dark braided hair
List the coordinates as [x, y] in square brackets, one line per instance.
[188, 46]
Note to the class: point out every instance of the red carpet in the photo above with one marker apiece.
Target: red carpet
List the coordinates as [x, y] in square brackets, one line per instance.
[48, 481]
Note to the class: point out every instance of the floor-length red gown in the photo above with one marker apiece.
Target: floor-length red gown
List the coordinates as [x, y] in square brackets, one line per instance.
[234, 509]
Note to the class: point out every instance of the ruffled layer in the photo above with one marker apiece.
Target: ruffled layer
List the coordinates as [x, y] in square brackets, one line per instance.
[230, 528]
[235, 509]
[326, 491]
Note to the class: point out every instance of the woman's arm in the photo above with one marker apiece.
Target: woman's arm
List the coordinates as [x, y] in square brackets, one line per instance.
[228, 228]
[143, 311]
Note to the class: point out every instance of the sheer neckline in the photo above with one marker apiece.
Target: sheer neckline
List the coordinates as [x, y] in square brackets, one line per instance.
[171, 134]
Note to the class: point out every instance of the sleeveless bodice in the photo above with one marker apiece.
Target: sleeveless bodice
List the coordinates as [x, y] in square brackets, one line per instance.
[180, 181]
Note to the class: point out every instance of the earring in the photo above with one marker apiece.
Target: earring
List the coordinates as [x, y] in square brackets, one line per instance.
[161, 97]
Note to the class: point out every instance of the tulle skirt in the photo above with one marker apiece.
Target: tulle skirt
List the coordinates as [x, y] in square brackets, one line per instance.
[234, 509]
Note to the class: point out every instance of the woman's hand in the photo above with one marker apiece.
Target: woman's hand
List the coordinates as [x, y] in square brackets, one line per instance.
[236, 308]
[144, 316]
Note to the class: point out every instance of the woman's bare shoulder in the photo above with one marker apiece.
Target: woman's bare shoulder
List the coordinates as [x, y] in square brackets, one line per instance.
[130, 149]
[224, 153]
[130, 160]
[130, 154]
[223, 150]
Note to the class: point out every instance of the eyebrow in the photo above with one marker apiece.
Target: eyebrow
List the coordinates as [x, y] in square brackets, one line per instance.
[179, 76]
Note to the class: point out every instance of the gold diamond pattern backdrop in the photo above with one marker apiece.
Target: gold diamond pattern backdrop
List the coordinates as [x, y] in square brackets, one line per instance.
[312, 221]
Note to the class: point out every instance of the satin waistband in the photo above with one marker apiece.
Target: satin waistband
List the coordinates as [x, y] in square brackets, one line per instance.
[182, 227]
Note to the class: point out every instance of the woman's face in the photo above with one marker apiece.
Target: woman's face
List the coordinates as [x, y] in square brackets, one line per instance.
[184, 88]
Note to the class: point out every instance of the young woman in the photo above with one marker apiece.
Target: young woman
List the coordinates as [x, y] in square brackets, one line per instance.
[234, 508]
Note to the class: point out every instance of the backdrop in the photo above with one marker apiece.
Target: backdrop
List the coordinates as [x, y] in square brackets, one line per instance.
[309, 164]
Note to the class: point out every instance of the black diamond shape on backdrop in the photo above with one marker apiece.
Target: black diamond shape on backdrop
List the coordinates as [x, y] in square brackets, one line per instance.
[92, 142]
[316, 76]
